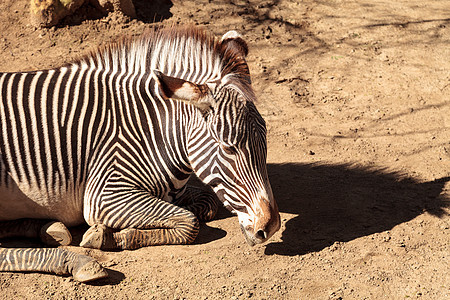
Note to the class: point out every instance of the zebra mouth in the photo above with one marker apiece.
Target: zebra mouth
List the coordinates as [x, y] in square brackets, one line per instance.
[249, 238]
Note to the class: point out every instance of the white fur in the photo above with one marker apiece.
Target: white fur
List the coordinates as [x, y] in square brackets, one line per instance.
[231, 35]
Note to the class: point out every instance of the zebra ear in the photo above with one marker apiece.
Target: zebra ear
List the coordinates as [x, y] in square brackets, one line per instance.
[234, 40]
[180, 89]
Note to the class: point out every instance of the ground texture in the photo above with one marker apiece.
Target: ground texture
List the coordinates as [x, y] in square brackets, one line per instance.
[356, 99]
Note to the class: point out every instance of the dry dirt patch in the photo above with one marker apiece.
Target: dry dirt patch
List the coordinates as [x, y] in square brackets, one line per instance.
[355, 95]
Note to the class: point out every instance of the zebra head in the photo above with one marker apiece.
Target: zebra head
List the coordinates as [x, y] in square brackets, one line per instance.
[227, 146]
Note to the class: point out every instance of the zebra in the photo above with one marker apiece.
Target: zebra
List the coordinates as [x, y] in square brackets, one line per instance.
[112, 138]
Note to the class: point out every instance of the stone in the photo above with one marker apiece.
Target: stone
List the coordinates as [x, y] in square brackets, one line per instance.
[48, 13]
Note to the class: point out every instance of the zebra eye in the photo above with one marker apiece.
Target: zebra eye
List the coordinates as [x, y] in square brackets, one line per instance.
[231, 150]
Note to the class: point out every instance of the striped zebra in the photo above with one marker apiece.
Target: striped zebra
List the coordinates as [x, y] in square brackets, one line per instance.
[112, 139]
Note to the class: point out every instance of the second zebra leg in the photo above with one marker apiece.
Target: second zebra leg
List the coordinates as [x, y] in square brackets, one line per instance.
[201, 202]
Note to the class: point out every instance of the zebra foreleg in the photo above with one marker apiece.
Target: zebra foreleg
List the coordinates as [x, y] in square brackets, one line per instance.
[162, 224]
[51, 260]
[179, 230]
[202, 203]
[52, 233]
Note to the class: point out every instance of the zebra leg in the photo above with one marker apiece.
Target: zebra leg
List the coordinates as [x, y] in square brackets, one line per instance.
[51, 260]
[177, 230]
[162, 223]
[202, 203]
[52, 233]
[99, 236]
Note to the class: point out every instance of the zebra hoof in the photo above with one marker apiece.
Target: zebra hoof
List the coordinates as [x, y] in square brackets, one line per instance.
[55, 234]
[88, 270]
[98, 237]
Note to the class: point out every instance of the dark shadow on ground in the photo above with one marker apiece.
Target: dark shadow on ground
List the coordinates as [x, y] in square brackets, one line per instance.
[114, 278]
[146, 11]
[20, 242]
[153, 11]
[344, 202]
[208, 234]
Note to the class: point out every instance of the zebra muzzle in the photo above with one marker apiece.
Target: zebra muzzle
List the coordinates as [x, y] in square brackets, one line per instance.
[254, 238]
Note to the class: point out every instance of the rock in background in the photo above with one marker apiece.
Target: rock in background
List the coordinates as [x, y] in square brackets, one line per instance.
[47, 13]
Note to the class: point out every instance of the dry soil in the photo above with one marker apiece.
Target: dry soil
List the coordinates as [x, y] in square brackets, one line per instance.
[356, 99]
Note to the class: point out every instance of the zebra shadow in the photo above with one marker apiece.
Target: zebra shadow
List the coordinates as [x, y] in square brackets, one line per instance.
[343, 202]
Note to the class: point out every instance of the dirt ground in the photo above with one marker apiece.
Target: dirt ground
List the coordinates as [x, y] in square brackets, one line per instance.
[356, 96]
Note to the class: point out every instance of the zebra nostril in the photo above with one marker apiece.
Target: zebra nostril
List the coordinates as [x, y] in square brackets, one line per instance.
[261, 234]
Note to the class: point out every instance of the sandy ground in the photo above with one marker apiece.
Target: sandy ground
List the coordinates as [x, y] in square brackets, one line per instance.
[356, 98]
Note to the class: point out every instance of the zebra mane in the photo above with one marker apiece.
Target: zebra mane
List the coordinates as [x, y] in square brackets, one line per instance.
[185, 52]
